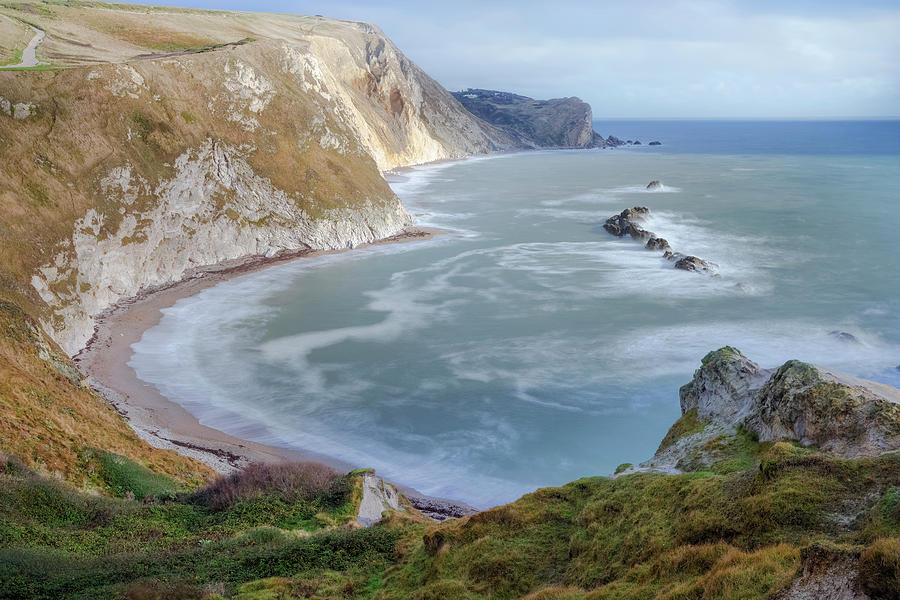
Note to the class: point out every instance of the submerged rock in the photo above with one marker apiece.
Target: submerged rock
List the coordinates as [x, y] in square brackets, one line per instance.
[654, 185]
[843, 336]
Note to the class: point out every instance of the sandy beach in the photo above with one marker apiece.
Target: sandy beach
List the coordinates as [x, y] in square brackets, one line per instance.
[156, 419]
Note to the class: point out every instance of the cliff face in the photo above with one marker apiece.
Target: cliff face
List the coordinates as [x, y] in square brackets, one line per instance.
[557, 123]
[256, 134]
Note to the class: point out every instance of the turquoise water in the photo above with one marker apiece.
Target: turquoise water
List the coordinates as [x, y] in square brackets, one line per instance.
[527, 347]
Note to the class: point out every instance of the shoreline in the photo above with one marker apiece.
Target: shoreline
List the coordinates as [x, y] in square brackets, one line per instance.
[164, 423]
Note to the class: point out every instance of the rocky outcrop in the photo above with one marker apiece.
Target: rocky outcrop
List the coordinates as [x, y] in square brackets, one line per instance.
[654, 185]
[628, 223]
[123, 176]
[840, 414]
[378, 497]
[722, 387]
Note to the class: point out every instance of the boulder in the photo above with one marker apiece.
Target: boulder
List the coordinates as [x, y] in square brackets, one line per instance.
[637, 142]
[654, 185]
[655, 143]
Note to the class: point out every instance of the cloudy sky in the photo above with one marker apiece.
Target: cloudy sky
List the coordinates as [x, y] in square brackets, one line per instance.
[675, 58]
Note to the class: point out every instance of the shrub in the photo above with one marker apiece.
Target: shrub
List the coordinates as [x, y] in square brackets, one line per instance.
[306, 481]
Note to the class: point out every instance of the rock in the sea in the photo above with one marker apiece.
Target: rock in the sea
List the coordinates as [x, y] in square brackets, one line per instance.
[654, 185]
[614, 141]
[625, 222]
[657, 243]
[692, 263]
[655, 143]
[841, 414]
[637, 142]
[843, 336]
[639, 234]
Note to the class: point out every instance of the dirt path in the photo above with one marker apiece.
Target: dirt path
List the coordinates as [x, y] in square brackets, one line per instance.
[29, 55]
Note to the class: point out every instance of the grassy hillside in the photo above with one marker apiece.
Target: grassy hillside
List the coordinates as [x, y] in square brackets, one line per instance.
[55, 423]
[747, 526]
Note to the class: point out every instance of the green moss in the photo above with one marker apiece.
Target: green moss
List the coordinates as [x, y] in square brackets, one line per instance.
[623, 467]
[722, 355]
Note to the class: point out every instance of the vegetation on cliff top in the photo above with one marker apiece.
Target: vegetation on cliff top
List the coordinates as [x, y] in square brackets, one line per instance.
[721, 532]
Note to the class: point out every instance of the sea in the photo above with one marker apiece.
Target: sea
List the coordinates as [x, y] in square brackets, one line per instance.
[527, 347]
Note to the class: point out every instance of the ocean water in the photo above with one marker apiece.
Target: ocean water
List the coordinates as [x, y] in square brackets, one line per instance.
[527, 347]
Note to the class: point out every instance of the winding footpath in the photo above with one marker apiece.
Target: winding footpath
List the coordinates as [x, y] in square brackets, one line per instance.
[29, 55]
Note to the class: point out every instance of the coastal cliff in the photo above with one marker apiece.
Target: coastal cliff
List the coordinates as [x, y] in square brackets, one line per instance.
[151, 156]
[154, 144]
[556, 123]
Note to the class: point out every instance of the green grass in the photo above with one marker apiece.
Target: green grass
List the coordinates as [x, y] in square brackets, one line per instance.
[686, 425]
[125, 477]
[57, 542]
[35, 68]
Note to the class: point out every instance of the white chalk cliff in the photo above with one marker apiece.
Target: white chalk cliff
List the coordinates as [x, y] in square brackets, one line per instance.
[147, 170]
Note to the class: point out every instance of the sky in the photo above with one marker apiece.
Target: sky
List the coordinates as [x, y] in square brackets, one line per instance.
[647, 58]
